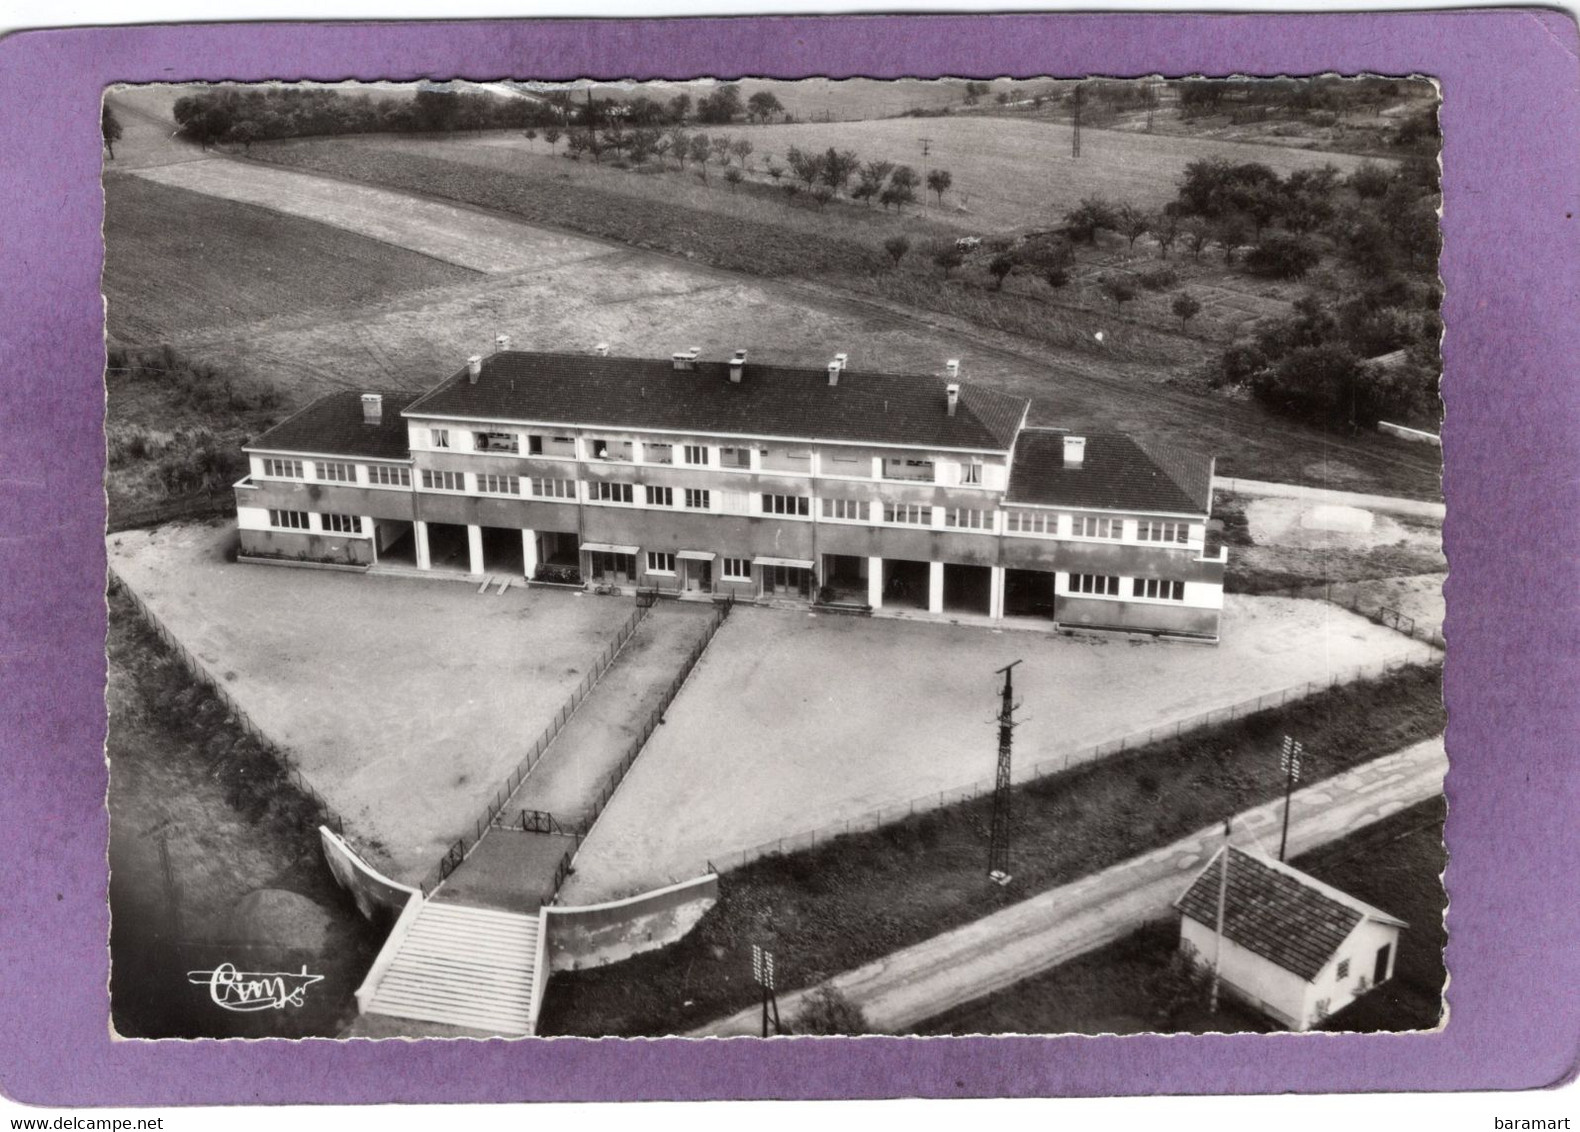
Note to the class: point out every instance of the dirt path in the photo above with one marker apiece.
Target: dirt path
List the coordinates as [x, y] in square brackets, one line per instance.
[462, 236]
[1420, 508]
[1036, 935]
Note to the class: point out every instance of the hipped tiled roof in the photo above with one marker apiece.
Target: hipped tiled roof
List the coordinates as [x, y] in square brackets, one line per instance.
[784, 401]
[1117, 473]
[333, 425]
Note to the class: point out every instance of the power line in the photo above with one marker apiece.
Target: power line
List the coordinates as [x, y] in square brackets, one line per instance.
[998, 842]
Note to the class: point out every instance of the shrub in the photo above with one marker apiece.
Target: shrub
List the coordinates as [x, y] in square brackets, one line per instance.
[1001, 267]
[1158, 278]
[948, 258]
[1120, 288]
[897, 247]
[1186, 306]
[827, 1010]
[1370, 180]
[1282, 255]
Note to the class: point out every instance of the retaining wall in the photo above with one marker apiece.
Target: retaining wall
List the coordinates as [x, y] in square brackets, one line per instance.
[596, 935]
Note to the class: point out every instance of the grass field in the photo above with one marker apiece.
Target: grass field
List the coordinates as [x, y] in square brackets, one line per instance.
[174, 767]
[178, 260]
[407, 752]
[860, 897]
[1394, 864]
[802, 723]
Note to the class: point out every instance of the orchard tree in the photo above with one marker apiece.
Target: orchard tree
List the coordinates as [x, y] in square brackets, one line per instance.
[1052, 263]
[901, 190]
[742, 148]
[1120, 288]
[110, 126]
[1186, 306]
[1001, 267]
[1131, 223]
[897, 246]
[948, 257]
[721, 149]
[551, 135]
[733, 177]
[700, 148]
[938, 181]
[530, 134]
[680, 145]
[1090, 215]
[1197, 236]
[1165, 230]
[838, 165]
[822, 194]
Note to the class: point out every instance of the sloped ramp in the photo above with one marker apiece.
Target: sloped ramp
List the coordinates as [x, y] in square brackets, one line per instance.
[458, 965]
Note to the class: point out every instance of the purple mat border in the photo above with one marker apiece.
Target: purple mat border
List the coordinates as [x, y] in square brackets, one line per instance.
[1513, 278]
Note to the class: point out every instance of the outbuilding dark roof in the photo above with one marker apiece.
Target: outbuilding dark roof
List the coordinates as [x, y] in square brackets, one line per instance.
[1117, 473]
[784, 401]
[1277, 911]
[333, 425]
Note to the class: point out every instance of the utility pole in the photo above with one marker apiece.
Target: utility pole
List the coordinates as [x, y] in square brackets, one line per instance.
[1289, 763]
[1076, 101]
[998, 845]
[927, 147]
[763, 976]
[1223, 899]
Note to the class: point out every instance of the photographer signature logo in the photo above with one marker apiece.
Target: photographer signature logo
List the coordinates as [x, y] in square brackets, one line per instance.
[245, 991]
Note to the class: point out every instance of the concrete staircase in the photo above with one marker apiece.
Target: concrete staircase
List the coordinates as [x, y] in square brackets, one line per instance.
[458, 965]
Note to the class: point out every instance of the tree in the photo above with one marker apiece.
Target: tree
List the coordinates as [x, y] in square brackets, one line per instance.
[1229, 234]
[1370, 181]
[721, 107]
[1282, 255]
[530, 134]
[1120, 288]
[1090, 215]
[1178, 989]
[110, 127]
[679, 107]
[938, 181]
[838, 165]
[827, 1010]
[822, 194]
[1196, 234]
[776, 171]
[808, 167]
[245, 132]
[1165, 230]
[721, 149]
[948, 257]
[680, 146]
[974, 91]
[733, 177]
[901, 189]
[577, 143]
[1186, 306]
[870, 178]
[1001, 267]
[700, 148]
[742, 148]
[897, 246]
[762, 106]
[1131, 223]
[551, 134]
[1320, 384]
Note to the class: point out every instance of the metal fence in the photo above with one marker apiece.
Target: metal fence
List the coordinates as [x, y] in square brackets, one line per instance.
[1030, 771]
[235, 710]
[1375, 612]
[468, 840]
[612, 781]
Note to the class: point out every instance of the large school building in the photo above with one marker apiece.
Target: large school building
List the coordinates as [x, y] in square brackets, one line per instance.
[701, 477]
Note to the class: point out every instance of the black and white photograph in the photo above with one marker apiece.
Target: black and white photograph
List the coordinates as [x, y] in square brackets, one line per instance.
[775, 557]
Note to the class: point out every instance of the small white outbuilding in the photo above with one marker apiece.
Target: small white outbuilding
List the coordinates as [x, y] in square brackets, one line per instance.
[1292, 947]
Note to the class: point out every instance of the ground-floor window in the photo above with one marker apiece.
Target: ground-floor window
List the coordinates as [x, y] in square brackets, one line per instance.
[610, 567]
[738, 569]
[290, 520]
[660, 562]
[342, 524]
[1159, 588]
[1094, 584]
[787, 580]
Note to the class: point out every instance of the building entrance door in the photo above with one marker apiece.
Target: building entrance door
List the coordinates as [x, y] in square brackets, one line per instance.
[698, 576]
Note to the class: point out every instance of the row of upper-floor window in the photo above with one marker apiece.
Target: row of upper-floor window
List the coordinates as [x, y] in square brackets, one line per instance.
[1014, 521]
[791, 459]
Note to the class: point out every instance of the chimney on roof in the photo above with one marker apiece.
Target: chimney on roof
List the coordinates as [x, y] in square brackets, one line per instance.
[474, 368]
[952, 391]
[1074, 451]
[372, 408]
[833, 372]
[687, 359]
[952, 367]
[737, 366]
[602, 349]
[501, 344]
